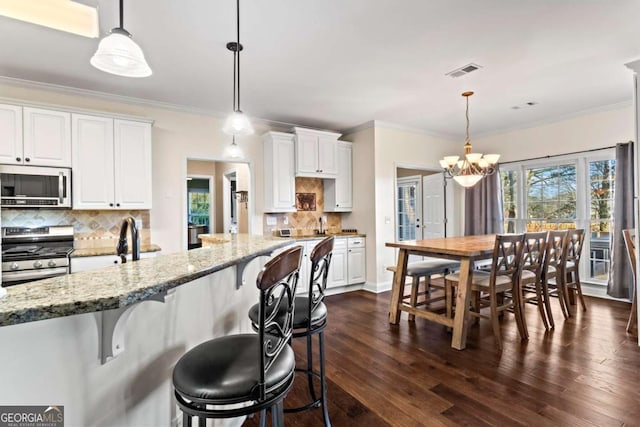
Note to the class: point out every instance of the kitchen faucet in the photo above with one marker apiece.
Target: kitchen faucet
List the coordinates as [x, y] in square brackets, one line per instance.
[123, 248]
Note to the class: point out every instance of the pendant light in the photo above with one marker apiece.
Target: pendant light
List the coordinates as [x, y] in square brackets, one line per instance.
[233, 151]
[118, 54]
[470, 170]
[237, 123]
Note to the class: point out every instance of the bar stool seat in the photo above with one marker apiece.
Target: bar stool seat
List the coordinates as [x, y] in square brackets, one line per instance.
[225, 369]
[300, 314]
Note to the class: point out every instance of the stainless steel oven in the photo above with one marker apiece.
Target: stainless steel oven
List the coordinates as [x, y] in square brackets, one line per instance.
[35, 253]
[35, 187]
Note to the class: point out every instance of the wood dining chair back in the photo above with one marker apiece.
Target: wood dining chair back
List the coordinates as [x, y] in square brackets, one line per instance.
[552, 275]
[573, 253]
[533, 254]
[489, 289]
[630, 243]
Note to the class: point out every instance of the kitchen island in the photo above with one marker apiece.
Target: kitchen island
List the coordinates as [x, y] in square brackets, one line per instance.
[57, 333]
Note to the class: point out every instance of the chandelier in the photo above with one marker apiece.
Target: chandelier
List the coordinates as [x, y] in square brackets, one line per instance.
[470, 170]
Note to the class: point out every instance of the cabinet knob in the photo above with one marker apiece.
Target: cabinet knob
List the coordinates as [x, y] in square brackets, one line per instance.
[18, 159]
[337, 205]
[118, 205]
[27, 159]
[115, 262]
[111, 204]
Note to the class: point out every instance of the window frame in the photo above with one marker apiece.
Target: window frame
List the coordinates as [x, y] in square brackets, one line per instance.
[583, 195]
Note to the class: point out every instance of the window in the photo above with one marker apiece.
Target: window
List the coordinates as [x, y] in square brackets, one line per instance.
[198, 201]
[566, 192]
[408, 201]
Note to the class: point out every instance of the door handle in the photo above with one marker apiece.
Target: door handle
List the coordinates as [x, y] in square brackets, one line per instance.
[61, 187]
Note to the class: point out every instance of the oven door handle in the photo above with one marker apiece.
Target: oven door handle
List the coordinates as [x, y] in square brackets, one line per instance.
[61, 188]
[15, 276]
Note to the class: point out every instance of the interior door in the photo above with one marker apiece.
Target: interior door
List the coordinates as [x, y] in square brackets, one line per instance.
[433, 206]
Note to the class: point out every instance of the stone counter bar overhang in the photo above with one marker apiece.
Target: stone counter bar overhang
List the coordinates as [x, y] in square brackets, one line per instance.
[126, 284]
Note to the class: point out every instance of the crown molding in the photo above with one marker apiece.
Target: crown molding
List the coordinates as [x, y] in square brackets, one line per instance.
[30, 84]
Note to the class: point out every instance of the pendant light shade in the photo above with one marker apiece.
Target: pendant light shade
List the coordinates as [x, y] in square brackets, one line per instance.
[233, 151]
[237, 124]
[118, 54]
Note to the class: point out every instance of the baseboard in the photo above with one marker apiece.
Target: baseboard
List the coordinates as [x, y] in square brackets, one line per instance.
[377, 288]
[599, 291]
[343, 289]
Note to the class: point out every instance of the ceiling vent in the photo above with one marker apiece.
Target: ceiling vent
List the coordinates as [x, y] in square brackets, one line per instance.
[459, 72]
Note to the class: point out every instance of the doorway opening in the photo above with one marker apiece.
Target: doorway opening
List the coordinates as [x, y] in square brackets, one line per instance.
[211, 199]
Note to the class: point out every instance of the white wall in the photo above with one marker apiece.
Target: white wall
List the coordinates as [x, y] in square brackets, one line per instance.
[587, 132]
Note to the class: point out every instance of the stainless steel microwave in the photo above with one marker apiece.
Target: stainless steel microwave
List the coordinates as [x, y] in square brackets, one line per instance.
[35, 187]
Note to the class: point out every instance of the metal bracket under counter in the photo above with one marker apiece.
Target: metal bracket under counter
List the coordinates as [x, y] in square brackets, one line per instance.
[112, 327]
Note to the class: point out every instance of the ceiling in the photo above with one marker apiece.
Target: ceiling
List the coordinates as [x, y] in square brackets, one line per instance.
[335, 64]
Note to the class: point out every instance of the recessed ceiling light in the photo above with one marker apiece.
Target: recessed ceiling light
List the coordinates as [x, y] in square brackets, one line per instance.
[515, 107]
[62, 15]
[531, 103]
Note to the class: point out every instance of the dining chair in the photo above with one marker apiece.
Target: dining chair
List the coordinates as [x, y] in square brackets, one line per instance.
[573, 253]
[488, 288]
[531, 283]
[630, 243]
[552, 273]
[241, 374]
[427, 269]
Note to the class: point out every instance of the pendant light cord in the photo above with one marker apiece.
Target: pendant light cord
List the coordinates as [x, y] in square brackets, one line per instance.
[121, 14]
[238, 47]
[467, 115]
[235, 53]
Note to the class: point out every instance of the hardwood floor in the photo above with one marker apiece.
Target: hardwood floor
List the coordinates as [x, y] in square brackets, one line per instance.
[586, 372]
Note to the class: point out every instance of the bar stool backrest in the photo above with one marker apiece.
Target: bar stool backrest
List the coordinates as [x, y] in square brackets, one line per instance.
[535, 245]
[507, 258]
[277, 283]
[320, 261]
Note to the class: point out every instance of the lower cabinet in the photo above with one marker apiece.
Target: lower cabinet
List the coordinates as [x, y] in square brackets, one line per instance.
[87, 263]
[356, 257]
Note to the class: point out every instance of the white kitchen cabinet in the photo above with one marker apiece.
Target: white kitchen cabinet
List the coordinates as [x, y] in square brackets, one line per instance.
[338, 192]
[279, 172]
[88, 263]
[356, 260]
[111, 163]
[47, 137]
[338, 270]
[316, 153]
[34, 136]
[10, 133]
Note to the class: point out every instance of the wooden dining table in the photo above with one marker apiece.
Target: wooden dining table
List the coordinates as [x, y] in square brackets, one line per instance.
[466, 249]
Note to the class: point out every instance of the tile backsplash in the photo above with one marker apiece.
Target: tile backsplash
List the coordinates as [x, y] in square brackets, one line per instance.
[92, 229]
[305, 223]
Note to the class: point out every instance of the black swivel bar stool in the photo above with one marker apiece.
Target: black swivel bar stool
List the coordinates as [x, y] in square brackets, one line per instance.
[310, 319]
[247, 368]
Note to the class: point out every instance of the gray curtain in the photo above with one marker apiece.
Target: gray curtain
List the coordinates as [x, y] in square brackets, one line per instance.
[620, 275]
[483, 207]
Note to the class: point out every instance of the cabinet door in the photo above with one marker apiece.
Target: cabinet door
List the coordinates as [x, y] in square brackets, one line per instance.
[10, 134]
[47, 137]
[132, 164]
[279, 173]
[356, 260]
[92, 175]
[338, 268]
[306, 155]
[327, 155]
[338, 192]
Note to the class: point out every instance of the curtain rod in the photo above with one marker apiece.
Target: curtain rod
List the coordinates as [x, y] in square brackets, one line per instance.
[559, 155]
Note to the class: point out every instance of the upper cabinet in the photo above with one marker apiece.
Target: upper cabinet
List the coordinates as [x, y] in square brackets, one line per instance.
[111, 163]
[10, 133]
[316, 153]
[35, 136]
[279, 172]
[338, 192]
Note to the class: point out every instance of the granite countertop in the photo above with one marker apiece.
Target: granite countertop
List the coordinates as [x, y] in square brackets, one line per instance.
[109, 250]
[319, 236]
[125, 284]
